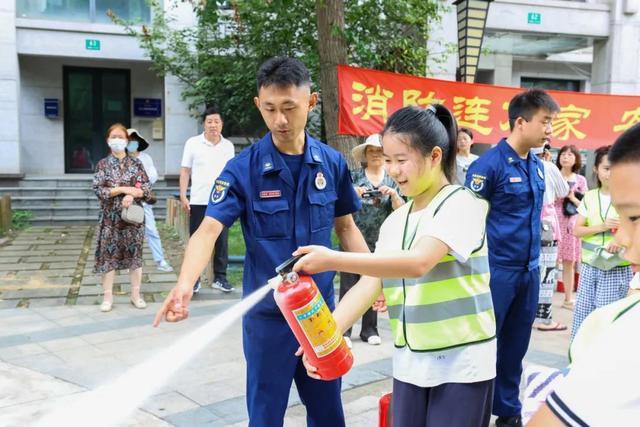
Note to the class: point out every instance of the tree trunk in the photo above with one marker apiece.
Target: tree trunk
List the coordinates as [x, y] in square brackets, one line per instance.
[333, 51]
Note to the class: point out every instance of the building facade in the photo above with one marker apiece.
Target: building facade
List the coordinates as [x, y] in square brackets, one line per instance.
[67, 73]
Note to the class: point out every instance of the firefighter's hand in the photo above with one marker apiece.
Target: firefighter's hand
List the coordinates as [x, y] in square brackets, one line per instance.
[316, 259]
[380, 304]
[176, 306]
[311, 370]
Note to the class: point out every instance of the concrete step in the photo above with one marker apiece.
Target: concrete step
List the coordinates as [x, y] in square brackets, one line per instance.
[70, 181]
[77, 192]
[64, 211]
[24, 202]
[72, 220]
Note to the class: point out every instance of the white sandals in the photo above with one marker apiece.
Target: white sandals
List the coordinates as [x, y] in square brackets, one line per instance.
[106, 305]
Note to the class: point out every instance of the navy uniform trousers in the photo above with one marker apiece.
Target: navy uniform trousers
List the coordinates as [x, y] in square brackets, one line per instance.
[515, 301]
[269, 348]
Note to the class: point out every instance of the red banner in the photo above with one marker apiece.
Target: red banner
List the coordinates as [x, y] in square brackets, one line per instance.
[368, 97]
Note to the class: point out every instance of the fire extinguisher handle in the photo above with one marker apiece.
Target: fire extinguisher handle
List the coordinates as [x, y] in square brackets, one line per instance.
[287, 266]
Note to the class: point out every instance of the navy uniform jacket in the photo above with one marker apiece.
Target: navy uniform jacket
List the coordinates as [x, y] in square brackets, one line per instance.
[514, 188]
[257, 187]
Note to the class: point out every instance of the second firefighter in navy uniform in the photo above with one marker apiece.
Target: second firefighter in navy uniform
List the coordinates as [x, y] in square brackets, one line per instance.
[512, 180]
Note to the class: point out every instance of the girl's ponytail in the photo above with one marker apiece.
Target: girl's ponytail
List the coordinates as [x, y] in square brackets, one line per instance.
[445, 117]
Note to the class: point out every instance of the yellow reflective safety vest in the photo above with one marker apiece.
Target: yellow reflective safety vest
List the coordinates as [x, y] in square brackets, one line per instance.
[450, 306]
[592, 242]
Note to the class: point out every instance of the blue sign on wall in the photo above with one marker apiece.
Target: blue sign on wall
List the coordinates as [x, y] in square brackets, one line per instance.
[147, 107]
[52, 108]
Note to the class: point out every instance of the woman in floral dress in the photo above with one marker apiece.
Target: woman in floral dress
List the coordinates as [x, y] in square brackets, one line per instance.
[569, 162]
[119, 181]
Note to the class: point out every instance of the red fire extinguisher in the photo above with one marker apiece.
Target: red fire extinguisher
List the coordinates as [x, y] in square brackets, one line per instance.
[311, 321]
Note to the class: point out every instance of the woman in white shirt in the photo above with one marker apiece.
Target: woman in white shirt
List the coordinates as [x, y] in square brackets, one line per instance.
[135, 148]
[431, 263]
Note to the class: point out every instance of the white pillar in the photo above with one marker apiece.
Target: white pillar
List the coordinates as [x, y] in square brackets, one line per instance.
[179, 124]
[440, 36]
[616, 64]
[503, 70]
[9, 92]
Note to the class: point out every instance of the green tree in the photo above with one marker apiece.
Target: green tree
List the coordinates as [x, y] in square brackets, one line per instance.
[218, 58]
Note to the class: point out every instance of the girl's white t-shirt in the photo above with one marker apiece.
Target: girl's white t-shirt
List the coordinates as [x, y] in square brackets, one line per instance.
[460, 224]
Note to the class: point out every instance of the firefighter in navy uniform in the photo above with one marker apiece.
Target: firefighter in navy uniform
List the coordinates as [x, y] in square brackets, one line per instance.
[512, 180]
[288, 190]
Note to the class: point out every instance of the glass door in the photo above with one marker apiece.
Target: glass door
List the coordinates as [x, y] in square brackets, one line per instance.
[94, 99]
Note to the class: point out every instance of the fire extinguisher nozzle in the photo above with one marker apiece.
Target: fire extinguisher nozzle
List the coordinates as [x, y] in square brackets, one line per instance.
[274, 282]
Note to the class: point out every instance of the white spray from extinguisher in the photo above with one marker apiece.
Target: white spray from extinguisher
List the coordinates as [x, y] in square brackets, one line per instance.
[122, 396]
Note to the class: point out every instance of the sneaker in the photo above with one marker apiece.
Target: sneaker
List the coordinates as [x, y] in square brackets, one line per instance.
[196, 287]
[222, 285]
[164, 266]
[509, 421]
[374, 340]
[347, 340]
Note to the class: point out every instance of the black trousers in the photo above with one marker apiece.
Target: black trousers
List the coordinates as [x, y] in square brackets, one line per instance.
[370, 318]
[221, 255]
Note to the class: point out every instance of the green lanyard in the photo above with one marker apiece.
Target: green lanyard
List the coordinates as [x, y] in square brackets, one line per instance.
[406, 226]
[604, 233]
[415, 230]
[600, 208]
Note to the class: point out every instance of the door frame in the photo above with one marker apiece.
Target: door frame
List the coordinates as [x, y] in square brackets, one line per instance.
[97, 104]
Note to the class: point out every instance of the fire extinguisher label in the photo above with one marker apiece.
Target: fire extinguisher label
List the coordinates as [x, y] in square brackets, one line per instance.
[318, 325]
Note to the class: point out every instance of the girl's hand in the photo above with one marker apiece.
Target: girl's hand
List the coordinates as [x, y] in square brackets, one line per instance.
[316, 260]
[612, 248]
[380, 304]
[612, 223]
[127, 200]
[311, 370]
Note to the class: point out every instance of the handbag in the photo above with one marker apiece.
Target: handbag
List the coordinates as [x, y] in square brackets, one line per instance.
[568, 208]
[134, 214]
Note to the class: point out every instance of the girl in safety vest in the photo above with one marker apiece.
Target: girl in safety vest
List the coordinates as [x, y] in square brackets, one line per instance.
[601, 387]
[604, 276]
[431, 264]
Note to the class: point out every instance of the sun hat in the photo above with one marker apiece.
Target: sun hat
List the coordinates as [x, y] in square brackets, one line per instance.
[358, 152]
[142, 143]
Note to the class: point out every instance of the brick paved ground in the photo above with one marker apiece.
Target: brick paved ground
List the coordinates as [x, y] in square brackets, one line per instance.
[56, 345]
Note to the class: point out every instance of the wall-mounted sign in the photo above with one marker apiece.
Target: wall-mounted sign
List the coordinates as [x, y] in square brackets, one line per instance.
[92, 44]
[147, 107]
[534, 18]
[52, 108]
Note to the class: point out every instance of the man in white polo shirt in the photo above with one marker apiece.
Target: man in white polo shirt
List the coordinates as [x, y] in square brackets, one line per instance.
[203, 159]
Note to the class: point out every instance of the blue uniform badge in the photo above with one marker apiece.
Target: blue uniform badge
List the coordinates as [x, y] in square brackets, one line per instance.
[477, 182]
[219, 191]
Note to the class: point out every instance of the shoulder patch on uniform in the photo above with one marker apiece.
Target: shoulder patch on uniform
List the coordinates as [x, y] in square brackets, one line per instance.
[219, 192]
[477, 182]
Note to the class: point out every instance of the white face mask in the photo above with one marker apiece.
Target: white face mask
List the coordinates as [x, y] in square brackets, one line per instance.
[117, 144]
